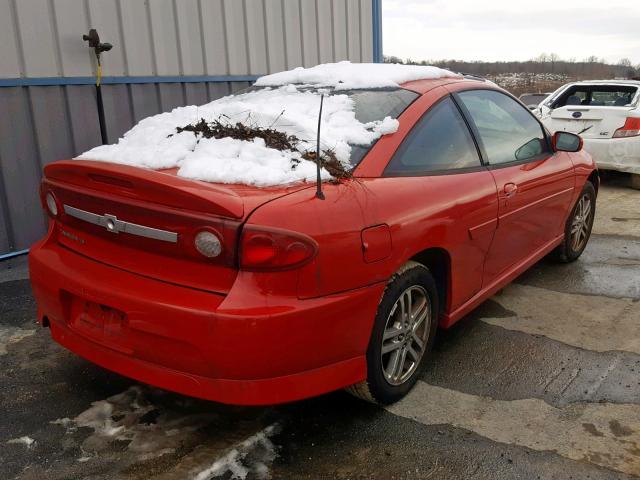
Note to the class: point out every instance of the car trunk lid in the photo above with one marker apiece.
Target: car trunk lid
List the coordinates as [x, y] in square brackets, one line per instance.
[145, 221]
[588, 121]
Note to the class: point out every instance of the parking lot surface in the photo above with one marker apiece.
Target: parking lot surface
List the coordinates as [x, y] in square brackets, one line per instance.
[540, 382]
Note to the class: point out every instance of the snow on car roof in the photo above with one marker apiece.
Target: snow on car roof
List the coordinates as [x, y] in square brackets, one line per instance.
[350, 76]
[232, 144]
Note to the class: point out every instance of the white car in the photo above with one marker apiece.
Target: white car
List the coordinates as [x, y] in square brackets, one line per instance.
[606, 114]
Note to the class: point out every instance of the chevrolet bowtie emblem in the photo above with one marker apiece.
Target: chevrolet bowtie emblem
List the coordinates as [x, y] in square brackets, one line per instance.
[111, 223]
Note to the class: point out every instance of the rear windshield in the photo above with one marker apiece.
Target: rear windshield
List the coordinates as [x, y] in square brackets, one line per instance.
[376, 105]
[597, 96]
[370, 105]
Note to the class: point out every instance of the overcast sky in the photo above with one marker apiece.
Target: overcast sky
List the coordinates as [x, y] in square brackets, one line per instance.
[511, 30]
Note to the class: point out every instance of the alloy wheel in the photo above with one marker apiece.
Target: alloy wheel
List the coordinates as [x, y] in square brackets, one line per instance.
[405, 335]
[581, 223]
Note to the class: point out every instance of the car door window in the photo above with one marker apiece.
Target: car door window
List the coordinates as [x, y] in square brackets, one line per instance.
[440, 141]
[508, 132]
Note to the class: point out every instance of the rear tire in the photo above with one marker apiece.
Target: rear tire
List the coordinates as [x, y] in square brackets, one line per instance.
[577, 230]
[403, 333]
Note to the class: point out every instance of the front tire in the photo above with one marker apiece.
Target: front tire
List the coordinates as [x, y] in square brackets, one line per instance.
[578, 227]
[403, 333]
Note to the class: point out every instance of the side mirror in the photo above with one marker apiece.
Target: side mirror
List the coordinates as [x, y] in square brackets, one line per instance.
[566, 142]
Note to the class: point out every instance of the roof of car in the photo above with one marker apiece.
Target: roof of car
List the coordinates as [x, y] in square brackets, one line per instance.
[607, 82]
[423, 86]
[353, 76]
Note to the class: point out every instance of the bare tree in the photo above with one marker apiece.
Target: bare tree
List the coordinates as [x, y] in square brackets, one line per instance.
[542, 58]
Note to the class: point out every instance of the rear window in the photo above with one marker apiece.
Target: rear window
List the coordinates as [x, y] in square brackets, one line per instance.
[370, 105]
[373, 105]
[597, 96]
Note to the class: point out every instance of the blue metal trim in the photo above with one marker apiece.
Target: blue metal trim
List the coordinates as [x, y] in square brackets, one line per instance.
[57, 81]
[9, 255]
[377, 31]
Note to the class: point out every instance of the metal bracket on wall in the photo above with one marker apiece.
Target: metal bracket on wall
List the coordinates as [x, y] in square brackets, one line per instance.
[94, 42]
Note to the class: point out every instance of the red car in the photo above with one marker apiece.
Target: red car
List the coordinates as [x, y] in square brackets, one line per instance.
[250, 295]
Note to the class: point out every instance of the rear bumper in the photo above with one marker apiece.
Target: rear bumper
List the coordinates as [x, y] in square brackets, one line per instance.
[620, 154]
[273, 350]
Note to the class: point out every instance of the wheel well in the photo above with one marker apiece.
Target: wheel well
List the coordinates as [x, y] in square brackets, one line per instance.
[438, 262]
[594, 178]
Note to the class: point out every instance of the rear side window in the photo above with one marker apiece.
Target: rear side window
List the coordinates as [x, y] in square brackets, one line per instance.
[597, 96]
[508, 132]
[440, 141]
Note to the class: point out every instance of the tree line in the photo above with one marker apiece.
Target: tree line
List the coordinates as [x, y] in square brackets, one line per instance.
[590, 68]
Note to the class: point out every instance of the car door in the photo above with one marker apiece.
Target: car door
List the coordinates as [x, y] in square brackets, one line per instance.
[442, 196]
[535, 185]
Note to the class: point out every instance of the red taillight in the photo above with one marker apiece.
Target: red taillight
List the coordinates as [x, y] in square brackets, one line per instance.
[274, 249]
[631, 128]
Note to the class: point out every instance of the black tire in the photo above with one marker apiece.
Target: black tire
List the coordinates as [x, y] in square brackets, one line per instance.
[417, 280]
[569, 251]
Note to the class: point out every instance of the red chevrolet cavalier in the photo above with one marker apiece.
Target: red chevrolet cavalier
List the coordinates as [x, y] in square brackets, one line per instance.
[249, 295]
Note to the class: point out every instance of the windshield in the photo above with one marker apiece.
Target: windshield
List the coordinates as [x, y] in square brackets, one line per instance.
[533, 98]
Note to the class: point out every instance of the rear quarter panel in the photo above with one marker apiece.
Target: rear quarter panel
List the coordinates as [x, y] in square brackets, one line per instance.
[335, 223]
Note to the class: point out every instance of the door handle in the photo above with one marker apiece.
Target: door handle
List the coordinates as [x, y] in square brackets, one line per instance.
[510, 189]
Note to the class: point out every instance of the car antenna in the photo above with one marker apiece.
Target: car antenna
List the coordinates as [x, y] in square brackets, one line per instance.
[319, 193]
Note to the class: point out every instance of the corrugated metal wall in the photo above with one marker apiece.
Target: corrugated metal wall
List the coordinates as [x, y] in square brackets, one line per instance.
[166, 53]
[42, 38]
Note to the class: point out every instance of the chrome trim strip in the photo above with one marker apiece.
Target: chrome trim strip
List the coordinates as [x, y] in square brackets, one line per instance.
[113, 225]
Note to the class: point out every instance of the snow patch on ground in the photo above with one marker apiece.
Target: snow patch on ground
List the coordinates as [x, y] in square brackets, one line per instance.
[251, 455]
[154, 143]
[350, 76]
[149, 432]
[28, 441]
[9, 335]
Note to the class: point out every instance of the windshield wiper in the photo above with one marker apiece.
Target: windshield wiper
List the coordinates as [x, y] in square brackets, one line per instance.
[584, 130]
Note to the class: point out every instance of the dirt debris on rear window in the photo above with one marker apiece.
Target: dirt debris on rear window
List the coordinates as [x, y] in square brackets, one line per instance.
[329, 162]
[272, 138]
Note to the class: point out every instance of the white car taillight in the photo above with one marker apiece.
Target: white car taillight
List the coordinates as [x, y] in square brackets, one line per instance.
[52, 204]
[208, 244]
[631, 128]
